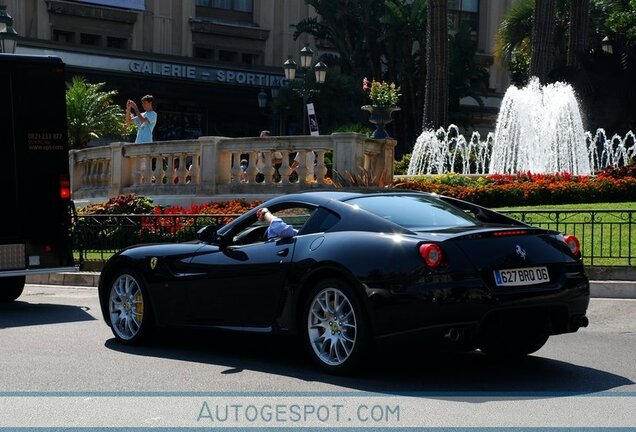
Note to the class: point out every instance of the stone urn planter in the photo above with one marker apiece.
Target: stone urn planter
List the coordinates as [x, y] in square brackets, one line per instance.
[380, 116]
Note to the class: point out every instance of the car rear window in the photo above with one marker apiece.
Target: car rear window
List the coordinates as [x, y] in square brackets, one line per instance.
[414, 212]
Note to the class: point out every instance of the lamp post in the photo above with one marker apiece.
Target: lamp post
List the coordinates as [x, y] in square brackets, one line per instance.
[8, 36]
[305, 91]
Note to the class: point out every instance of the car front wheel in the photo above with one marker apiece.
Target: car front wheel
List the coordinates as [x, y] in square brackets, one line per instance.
[335, 328]
[129, 308]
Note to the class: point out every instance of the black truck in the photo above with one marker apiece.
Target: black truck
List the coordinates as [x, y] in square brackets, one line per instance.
[36, 227]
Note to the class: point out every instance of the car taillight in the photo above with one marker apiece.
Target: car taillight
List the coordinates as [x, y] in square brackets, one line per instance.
[509, 233]
[432, 254]
[65, 188]
[573, 243]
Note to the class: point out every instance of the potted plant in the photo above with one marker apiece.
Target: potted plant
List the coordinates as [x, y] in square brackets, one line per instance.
[384, 97]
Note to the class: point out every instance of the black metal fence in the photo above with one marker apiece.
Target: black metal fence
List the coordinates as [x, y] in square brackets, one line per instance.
[607, 237]
[97, 237]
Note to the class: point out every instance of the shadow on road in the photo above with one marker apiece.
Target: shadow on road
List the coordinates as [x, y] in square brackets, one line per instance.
[401, 371]
[21, 314]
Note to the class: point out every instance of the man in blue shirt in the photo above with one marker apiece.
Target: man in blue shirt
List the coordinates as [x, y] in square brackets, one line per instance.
[145, 121]
[277, 228]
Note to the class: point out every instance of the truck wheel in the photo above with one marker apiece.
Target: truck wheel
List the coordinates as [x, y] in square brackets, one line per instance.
[11, 288]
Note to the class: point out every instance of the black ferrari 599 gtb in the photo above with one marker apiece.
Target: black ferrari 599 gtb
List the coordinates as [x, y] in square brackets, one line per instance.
[365, 268]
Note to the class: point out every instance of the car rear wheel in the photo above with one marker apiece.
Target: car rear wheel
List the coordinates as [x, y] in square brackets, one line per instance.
[513, 345]
[11, 288]
[335, 328]
[129, 308]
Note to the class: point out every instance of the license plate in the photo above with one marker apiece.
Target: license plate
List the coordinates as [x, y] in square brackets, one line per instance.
[522, 276]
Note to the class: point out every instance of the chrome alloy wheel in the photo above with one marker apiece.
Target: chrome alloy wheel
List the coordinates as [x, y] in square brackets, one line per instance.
[126, 307]
[331, 326]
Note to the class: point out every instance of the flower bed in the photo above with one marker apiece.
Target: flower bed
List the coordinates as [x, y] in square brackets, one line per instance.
[527, 189]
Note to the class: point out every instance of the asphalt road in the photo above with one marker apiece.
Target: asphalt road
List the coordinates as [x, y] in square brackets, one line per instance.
[55, 350]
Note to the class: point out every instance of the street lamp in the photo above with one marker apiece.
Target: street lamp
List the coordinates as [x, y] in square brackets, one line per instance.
[8, 36]
[320, 74]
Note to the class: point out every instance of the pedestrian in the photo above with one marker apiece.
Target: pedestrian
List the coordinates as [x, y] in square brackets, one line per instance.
[244, 171]
[310, 162]
[144, 121]
[277, 160]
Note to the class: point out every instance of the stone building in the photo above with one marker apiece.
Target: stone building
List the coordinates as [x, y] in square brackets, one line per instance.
[205, 61]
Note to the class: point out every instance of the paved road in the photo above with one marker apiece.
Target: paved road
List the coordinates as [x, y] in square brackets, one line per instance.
[54, 344]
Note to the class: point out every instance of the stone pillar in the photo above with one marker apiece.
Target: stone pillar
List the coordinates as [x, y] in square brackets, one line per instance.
[119, 171]
[388, 153]
[348, 152]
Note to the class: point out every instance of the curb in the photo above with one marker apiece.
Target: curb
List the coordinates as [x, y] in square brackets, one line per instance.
[613, 289]
[87, 279]
[598, 288]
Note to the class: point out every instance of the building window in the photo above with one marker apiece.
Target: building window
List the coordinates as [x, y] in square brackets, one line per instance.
[243, 5]
[90, 39]
[204, 53]
[463, 12]
[232, 11]
[117, 43]
[227, 56]
[63, 36]
[248, 58]
[237, 5]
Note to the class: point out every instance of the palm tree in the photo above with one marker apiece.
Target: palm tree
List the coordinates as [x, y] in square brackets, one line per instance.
[577, 35]
[436, 94]
[513, 43]
[542, 39]
[90, 113]
[601, 79]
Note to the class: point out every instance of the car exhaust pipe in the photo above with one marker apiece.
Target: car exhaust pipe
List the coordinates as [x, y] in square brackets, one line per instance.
[452, 335]
[580, 321]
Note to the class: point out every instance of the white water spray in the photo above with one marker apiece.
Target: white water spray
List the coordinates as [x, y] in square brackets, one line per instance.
[539, 129]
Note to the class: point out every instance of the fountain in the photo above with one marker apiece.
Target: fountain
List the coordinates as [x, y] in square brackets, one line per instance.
[539, 129]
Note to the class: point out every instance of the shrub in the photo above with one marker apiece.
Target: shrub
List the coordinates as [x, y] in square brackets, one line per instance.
[401, 167]
[123, 204]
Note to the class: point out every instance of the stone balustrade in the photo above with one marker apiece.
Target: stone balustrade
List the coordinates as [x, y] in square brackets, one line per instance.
[210, 166]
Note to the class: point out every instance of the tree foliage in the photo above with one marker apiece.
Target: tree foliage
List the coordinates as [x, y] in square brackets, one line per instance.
[91, 113]
[603, 78]
[381, 40]
[623, 20]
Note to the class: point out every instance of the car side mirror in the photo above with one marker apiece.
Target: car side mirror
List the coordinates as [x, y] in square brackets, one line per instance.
[208, 234]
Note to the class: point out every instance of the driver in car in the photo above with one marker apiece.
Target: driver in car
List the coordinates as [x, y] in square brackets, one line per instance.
[277, 228]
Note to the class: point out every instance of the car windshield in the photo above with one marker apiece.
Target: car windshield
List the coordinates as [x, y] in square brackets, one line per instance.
[414, 212]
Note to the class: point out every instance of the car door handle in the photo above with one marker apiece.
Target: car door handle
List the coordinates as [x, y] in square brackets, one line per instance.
[283, 252]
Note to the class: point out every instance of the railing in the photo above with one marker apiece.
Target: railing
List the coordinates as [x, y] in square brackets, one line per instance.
[97, 237]
[607, 237]
[211, 165]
